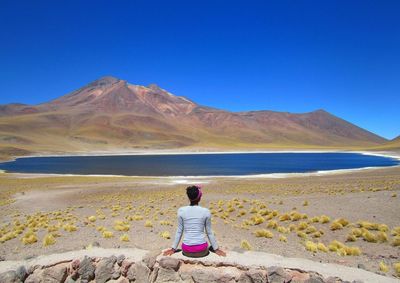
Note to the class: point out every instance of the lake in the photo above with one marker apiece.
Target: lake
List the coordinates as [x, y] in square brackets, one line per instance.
[226, 164]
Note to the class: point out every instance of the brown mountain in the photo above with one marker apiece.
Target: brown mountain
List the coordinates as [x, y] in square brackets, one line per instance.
[111, 114]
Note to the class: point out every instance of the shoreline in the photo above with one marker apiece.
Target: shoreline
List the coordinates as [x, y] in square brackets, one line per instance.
[388, 154]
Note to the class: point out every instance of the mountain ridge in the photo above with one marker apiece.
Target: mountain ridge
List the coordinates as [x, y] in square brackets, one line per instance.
[110, 113]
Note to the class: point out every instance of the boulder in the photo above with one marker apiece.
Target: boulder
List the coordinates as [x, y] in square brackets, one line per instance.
[55, 274]
[86, 269]
[277, 274]
[169, 263]
[139, 272]
[105, 269]
[22, 273]
[167, 275]
[10, 277]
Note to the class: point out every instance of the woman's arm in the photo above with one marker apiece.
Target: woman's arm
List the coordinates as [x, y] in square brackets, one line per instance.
[179, 232]
[210, 233]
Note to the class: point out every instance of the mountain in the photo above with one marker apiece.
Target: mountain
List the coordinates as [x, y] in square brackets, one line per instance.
[393, 144]
[112, 114]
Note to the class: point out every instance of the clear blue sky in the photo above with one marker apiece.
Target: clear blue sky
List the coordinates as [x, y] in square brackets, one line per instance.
[297, 56]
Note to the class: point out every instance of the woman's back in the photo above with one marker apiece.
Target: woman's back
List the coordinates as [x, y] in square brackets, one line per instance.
[194, 220]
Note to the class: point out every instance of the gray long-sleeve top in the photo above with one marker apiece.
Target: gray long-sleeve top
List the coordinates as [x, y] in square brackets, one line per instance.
[192, 221]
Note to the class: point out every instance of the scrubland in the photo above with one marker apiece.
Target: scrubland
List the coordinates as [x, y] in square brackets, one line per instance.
[348, 218]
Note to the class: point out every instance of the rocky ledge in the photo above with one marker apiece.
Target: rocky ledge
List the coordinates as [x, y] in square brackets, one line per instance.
[133, 265]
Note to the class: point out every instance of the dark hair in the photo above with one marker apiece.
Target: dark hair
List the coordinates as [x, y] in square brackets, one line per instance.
[192, 193]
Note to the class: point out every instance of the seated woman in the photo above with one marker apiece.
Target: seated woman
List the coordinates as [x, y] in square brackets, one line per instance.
[192, 221]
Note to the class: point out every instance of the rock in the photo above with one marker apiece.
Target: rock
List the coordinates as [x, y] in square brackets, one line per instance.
[120, 259]
[362, 266]
[150, 258]
[86, 269]
[332, 279]
[105, 269]
[10, 277]
[298, 277]
[257, 275]
[75, 264]
[204, 275]
[57, 273]
[22, 273]
[277, 274]
[244, 278]
[125, 267]
[116, 275]
[69, 280]
[170, 263]
[167, 275]
[314, 279]
[35, 277]
[139, 272]
[2, 258]
[120, 280]
[96, 244]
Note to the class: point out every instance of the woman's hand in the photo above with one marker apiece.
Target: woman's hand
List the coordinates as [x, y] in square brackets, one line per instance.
[220, 252]
[169, 252]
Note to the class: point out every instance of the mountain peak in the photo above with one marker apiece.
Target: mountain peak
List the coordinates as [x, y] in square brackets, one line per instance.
[104, 81]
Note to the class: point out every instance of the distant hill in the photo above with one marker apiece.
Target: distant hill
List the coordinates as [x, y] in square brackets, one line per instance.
[393, 144]
[112, 114]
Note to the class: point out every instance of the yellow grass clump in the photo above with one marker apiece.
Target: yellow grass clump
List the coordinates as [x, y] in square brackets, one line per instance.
[351, 238]
[301, 234]
[302, 226]
[282, 238]
[257, 219]
[48, 240]
[383, 267]
[305, 203]
[282, 229]
[396, 231]
[124, 238]
[69, 227]
[311, 246]
[396, 241]
[295, 216]
[108, 234]
[381, 237]
[148, 224]
[357, 232]
[324, 219]
[121, 226]
[284, 217]
[315, 219]
[272, 224]
[244, 244]
[165, 235]
[264, 233]
[396, 267]
[369, 237]
[92, 218]
[322, 247]
[336, 226]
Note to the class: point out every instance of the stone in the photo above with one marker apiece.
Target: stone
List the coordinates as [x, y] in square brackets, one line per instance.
[96, 244]
[120, 280]
[86, 269]
[150, 258]
[362, 266]
[314, 279]
[244, 278]
[105, 269]
[126, 264]
[57, 273]
[298, 277]
[75, 264]
[167, 275]
[204, 275]
[9, 277]
[69, 280]
[257, 275]
[22, 273]
[277, 274]
[116, 275]
[120, 259]
[169, 263]
[139, 272]
[35, 277]
[332, 279]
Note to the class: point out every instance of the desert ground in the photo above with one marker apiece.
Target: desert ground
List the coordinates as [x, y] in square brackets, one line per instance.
[350, 218]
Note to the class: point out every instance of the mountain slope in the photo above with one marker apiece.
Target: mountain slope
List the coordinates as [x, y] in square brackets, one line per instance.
[111, 114]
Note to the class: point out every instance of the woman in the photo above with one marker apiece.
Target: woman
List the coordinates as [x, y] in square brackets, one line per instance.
[192, 221]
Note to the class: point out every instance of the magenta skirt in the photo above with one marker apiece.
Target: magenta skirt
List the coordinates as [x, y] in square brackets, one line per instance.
[194, 248]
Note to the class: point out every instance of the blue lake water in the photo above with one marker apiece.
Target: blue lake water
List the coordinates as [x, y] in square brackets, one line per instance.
[196, 164]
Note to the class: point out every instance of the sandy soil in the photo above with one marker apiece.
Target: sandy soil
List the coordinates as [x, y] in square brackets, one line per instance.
[40, 203]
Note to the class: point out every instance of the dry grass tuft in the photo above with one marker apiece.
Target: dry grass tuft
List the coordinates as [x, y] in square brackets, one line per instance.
[165, 235]
[311, 246]
[49, 240]
[244, 244]
[383, 267]
[264, 233]
[282, 238]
